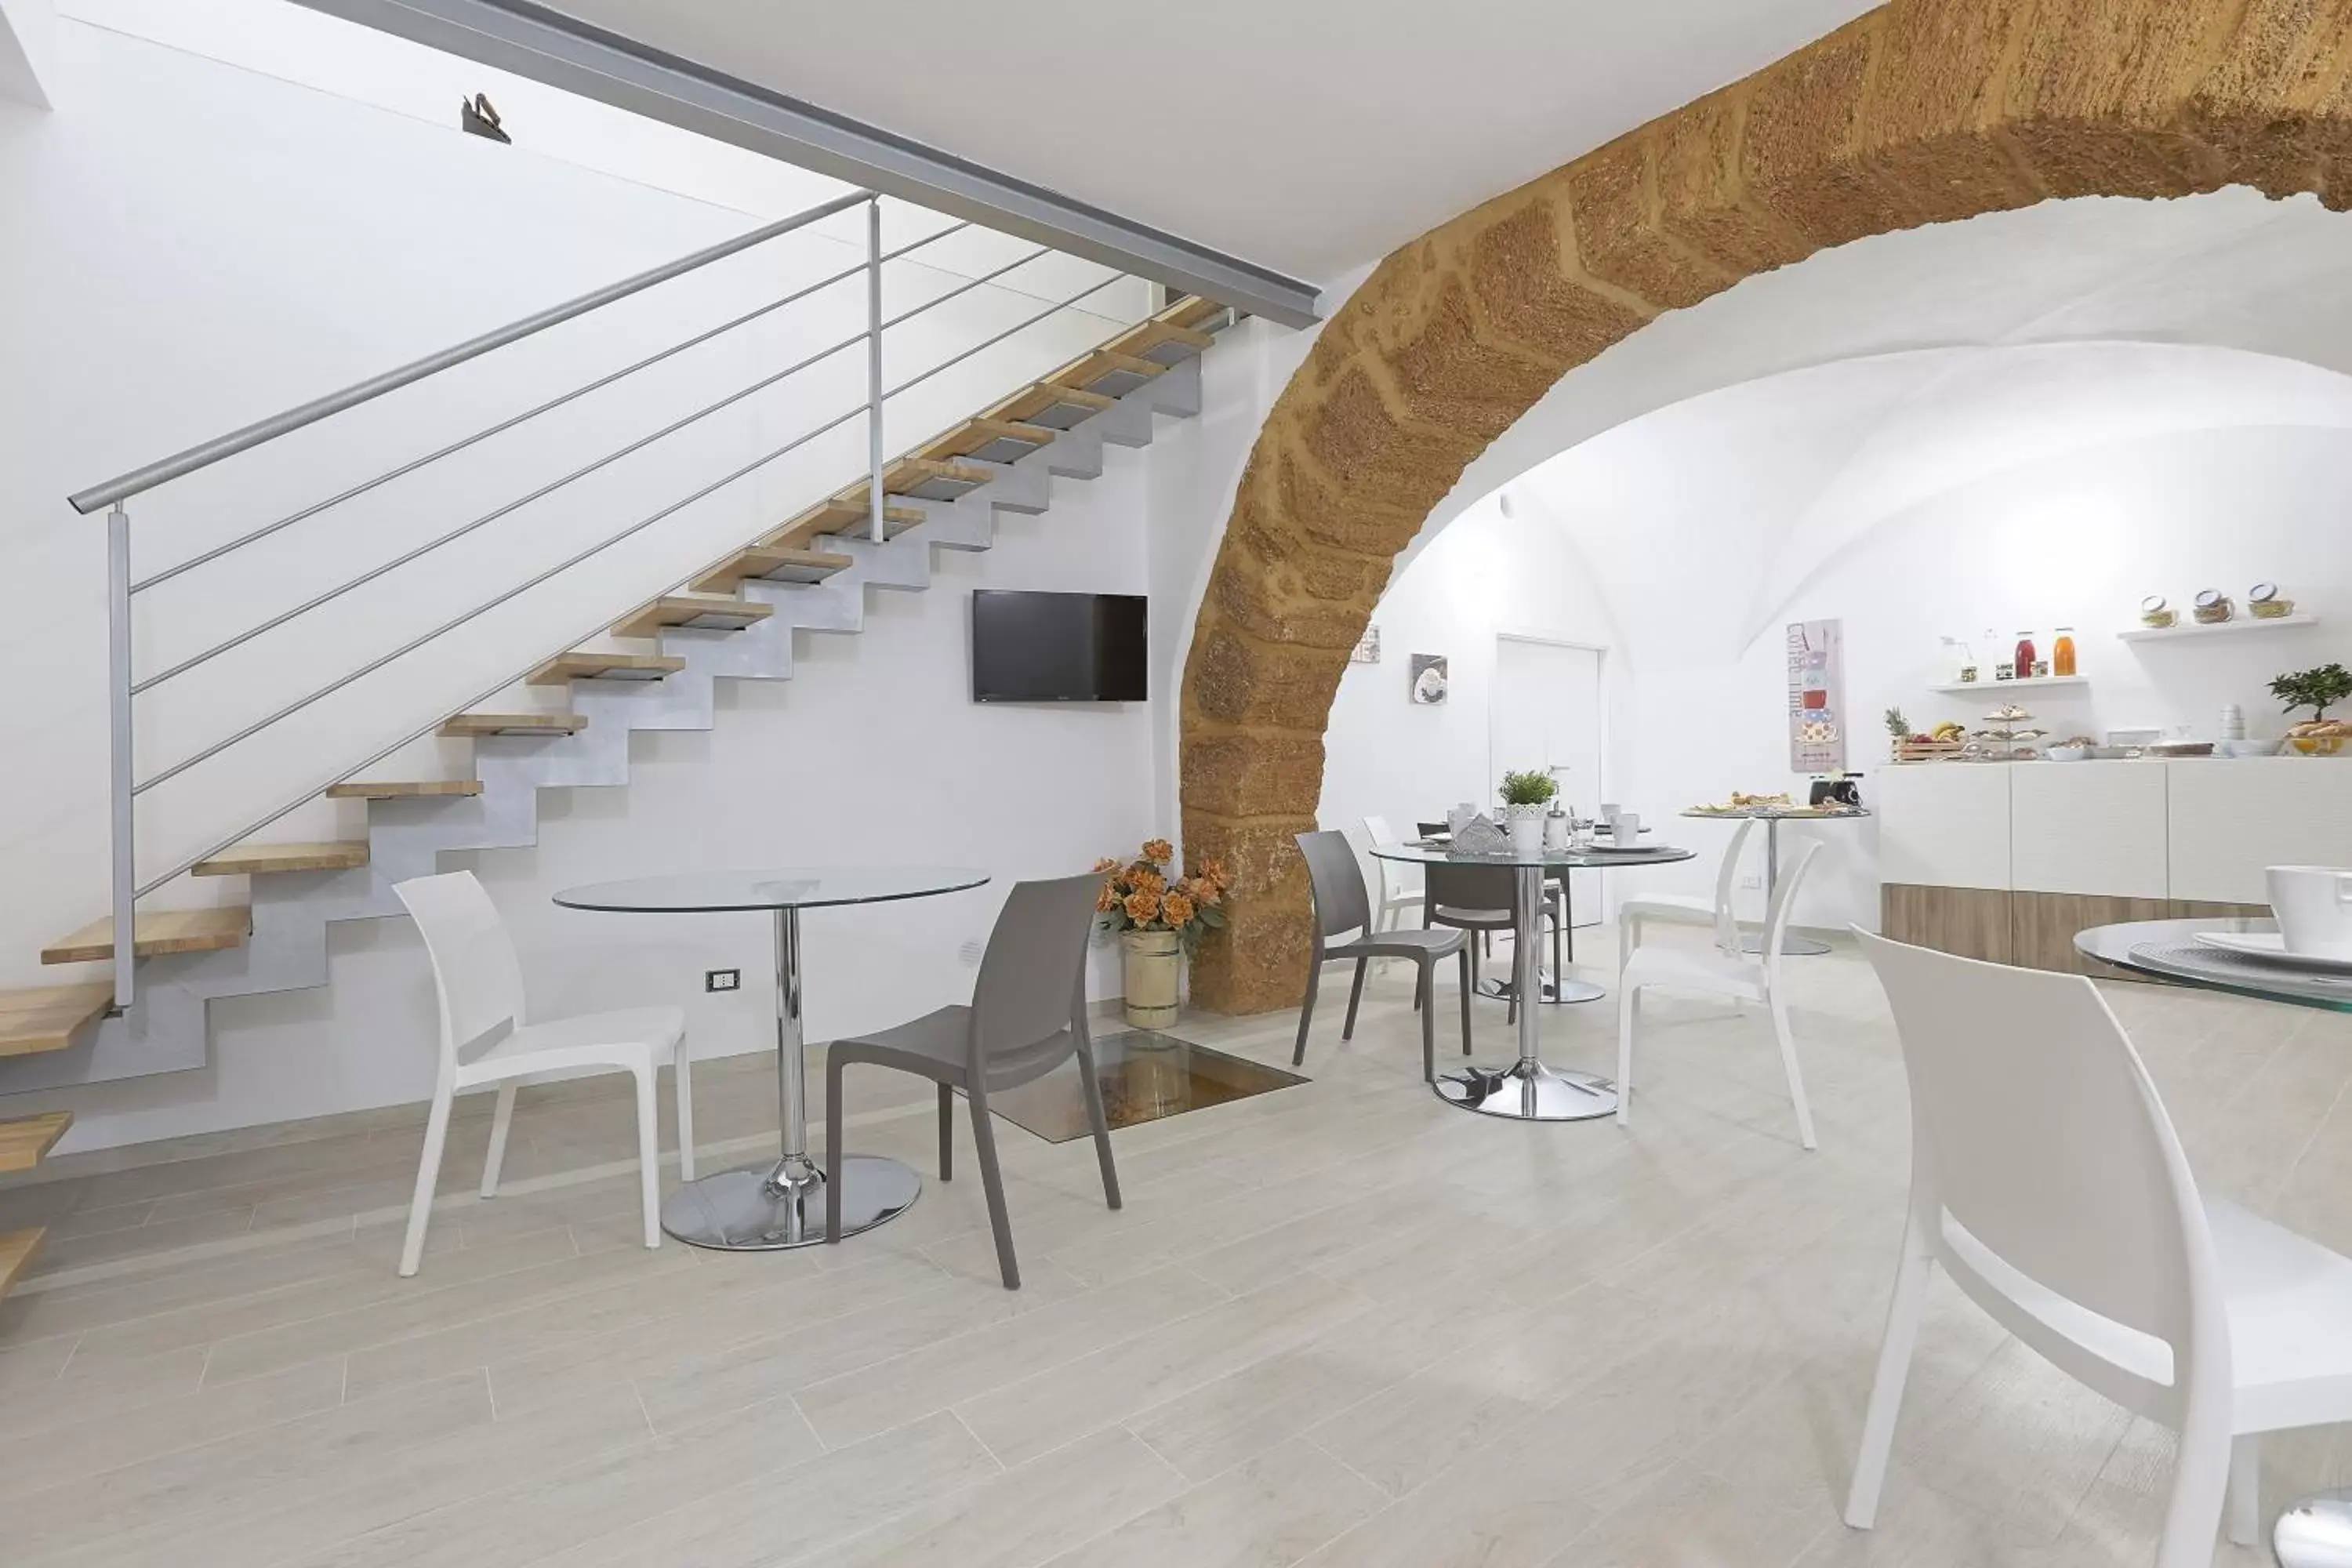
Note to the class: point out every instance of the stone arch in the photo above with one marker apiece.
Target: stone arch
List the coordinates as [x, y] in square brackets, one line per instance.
[1922, 111]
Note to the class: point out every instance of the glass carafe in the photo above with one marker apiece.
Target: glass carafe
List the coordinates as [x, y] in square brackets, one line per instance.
[2062, 652]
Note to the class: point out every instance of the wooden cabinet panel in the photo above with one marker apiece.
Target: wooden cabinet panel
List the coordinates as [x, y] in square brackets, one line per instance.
[2200, 908]
[1973, 922]
[2042, 928]
[1944, 824]
[2088, 828]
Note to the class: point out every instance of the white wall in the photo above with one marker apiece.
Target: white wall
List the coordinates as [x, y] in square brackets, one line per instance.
[25, 26]
[190, 246]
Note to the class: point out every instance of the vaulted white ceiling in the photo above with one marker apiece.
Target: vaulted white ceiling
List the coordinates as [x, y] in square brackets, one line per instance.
[1307, 135]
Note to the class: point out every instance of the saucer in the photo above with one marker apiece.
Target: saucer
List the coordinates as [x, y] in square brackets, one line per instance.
[2271, 945]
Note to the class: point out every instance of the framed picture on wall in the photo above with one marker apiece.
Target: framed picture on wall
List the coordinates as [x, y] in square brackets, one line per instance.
[1428, 688]
[1367, 647]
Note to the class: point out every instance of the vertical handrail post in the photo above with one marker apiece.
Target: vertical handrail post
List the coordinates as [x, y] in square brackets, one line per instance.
[125, 888]
[873, 369]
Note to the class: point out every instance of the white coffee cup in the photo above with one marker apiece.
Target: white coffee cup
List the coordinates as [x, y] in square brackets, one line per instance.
[1625, 827]
[2314, 906]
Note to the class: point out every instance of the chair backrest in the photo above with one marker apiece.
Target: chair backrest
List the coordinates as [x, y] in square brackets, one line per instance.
[1782, 905]
[1341, 905]
[474, 964]
[1481, 890]
[1033, 975]
[1396, 876]
[2036, 1127]
[1727, 884]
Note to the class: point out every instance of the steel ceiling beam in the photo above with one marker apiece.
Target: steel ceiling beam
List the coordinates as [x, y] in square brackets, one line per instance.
[546, 46]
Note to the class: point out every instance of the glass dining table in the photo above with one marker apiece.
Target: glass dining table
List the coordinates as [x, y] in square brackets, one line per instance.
[2316, 1532]
[781, 1203]
[1527, 1089]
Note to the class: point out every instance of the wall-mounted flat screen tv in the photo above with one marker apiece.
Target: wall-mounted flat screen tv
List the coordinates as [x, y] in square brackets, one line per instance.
[1056, 647]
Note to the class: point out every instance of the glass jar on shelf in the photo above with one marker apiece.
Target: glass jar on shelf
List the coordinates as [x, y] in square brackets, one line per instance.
[2061, 653]
[2025, 655]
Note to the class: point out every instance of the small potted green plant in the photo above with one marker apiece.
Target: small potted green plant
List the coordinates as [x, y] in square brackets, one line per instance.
[2316, 688]
[1526, 797]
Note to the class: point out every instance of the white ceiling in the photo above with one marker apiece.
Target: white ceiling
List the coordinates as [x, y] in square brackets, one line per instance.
[1307, 135]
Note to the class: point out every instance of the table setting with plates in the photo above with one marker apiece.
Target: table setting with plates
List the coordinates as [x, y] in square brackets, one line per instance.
[2301, 957]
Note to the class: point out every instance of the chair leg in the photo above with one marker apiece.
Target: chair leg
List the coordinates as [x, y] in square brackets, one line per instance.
[1098, 1119]
[682, 1080]
[1306, 1014]
[1894, 1369]
[1355, 994]
[1629, 1018]
[946, 1133]
[992, 1182]
[832, 1142]
[1796, 1078]
[2245, 1507]
[1463, 956]
[428, 1176]
[1558, 935]
[2200, 1485]
[1425, 984]
[649, 1151]
[500, 1120]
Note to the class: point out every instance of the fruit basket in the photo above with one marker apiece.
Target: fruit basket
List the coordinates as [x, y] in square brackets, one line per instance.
[1920, 749]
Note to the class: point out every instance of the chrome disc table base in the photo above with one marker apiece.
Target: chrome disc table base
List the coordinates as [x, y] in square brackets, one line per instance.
[1529, 1091]
[2315, 1532]
[1791, 946]
[744, 1210]
[1550, 989]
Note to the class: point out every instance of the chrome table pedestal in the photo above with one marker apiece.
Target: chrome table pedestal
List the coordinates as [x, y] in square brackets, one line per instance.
[2315, 1532]
[1526, 1090]
[1550, 989]
[782, 1203]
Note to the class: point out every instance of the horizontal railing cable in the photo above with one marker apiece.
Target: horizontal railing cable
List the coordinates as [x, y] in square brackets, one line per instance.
[167, 573]
[224, 446]
[493, 602]
[966, 287]
[488, 518]
[992, 341]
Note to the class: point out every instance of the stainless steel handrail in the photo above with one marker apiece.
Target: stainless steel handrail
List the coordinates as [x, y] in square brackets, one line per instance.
[207, 454]
[217, 552]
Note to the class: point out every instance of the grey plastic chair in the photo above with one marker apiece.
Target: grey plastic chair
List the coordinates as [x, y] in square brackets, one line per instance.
[1341, 906]
[1028, 1015]
[1479, 899]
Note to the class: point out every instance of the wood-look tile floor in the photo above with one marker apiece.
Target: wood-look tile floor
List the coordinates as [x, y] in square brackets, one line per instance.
[1341, 1326]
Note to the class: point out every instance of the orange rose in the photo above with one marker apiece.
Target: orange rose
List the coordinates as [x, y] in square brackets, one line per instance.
[1106, 865]
[1178, 909]
[1144, 879]
[1142, 908]
[1202, 890]
[1215, 871]
[1107, 899]
[1159, 850]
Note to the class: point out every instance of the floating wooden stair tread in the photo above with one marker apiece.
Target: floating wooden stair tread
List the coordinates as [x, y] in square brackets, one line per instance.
[470, 725]
[699, 612]
[1108, 371]
[578, 666]
[24, 1139]
[1160, 342]
[835, 515]
[988, 440]
[157, 932]
[925, 478]
[259, 859]
[1192, 311]
[773, 563]
[47, 1017]
[1050, 407]
[402, 789]
[16, 1249]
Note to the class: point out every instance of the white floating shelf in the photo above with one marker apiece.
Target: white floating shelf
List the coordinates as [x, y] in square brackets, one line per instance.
[2030, 683]
[2199, 629]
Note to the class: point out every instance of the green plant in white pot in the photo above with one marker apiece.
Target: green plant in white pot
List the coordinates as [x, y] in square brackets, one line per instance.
[1527, 798]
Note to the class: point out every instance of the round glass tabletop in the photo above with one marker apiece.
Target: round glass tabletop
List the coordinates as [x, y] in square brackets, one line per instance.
[1573, 859]
[794, 887]
[1776, 812]
[2170, 951]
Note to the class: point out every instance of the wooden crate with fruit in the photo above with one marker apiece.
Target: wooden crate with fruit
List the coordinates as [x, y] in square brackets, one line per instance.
[1947, 743]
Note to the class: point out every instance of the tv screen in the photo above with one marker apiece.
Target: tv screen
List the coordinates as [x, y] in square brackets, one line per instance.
[1056, 647]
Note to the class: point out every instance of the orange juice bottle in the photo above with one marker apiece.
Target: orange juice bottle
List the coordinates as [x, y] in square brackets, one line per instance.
[2062, 652]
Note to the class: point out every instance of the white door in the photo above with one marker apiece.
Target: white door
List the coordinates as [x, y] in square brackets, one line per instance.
[1544, 711]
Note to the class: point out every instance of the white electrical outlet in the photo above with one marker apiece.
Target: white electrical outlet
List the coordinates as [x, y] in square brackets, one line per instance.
[969, 954]
[722, 980]
[1751, 883]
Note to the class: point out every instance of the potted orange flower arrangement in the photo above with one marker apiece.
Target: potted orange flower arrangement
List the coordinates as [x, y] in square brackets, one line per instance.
[1157, 919]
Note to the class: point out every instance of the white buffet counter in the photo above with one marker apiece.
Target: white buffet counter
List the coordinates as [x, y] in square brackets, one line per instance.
[2006, 860]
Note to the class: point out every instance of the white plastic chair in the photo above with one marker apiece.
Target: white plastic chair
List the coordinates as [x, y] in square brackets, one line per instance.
[1399, 883]
[1682, 909]
[1719, 972]
[2047, 1180]
[486, 1040]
